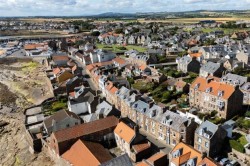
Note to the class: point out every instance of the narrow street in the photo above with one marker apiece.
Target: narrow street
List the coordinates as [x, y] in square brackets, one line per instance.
[79, 64]
[158, 145]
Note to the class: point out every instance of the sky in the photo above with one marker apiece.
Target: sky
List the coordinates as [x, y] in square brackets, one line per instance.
[92, 7]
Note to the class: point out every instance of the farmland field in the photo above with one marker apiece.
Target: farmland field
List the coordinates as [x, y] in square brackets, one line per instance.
[196, 20]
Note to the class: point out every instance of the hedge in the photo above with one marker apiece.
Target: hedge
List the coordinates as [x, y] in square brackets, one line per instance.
[237, 146]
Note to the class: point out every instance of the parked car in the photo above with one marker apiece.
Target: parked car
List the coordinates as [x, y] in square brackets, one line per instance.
[233, 163]
[224, 161]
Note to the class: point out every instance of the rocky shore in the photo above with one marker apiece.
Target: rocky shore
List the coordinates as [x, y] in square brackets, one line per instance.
[22, 84]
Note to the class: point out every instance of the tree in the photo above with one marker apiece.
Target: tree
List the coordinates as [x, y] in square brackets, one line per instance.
[166, 95]
[135, 30]
[238, 70]
[79, 42]
[95, 33]
[119, 30]
[53, 45]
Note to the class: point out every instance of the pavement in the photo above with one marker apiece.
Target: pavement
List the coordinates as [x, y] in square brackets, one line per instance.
[158, 145]
[19, 53]
[79, 64]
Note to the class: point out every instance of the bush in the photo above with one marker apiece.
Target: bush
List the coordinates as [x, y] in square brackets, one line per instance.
[130, 80]
[243, 123]
[122, 48]
[166, 95]
[119, 30]
[95, 33]
[237, 146]
[213, 113]
[247, 114]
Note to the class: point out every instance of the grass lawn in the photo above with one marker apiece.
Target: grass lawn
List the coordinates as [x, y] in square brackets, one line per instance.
[238, 142]
[242, 140]
[51, 108]
[115, 48]
[143, 86]
[226, 30]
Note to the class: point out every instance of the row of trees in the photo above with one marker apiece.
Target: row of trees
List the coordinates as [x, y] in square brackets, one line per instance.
[232, 25]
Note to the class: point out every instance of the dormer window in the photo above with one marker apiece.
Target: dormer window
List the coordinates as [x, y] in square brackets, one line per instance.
[221, 104]
[197, 86]
[208, 90]
[236, 82]
[220, 93]
[153, 113]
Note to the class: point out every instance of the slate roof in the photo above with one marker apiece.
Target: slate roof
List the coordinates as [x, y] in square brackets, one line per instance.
[208, 128]
[104, 108]
[140, 106]
[131, 99]
[122, 92]
[173, 120]
[59, 116]
[185, 60]
[246, 87]
[210, 67]
[89, 118]
[234, 79]
[155, 112]
[122, 160]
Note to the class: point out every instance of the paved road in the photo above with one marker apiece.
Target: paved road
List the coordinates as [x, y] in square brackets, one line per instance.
[158, 145]
[79, 64]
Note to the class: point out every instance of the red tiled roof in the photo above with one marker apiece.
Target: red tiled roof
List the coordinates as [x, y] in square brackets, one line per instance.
[113, 90]
[143, 67]
[119, 60]
[125, 132]
[84, 153]
[188, 153]
[56, 70]
[32, 46]
[208, 162]
[141, 147]
[195, 55]
[60, 58]
[156, 157]
[85, 129]
[215, 85]
[142, 164]
[74, 68]
[72, 94]
[180, 84]
[109, 85]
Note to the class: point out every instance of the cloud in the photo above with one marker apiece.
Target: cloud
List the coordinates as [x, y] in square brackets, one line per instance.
[87, 7]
